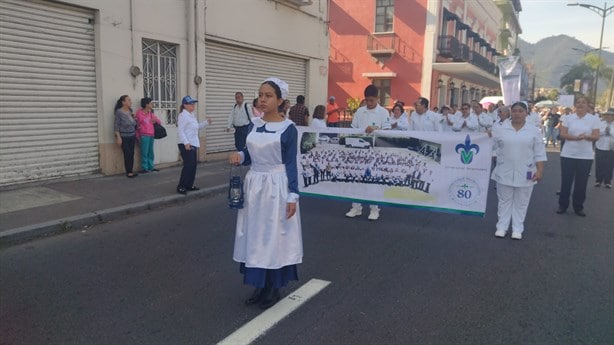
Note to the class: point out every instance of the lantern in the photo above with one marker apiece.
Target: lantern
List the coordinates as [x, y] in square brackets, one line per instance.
[235, 191]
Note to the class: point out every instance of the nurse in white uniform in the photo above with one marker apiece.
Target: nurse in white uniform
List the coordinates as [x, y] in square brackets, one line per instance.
[268, 239]
[520, 163]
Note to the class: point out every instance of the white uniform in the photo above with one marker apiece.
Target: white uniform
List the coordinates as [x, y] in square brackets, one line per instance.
[429, 121]
[471, 123]
[377, 117]
[402, 122]
[264, 237]
[517, 155]
[363, 118]
[485, 120]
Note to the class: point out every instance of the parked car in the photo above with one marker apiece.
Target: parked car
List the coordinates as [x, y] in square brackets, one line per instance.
[357, 143]
[334, 140]
[323, 139]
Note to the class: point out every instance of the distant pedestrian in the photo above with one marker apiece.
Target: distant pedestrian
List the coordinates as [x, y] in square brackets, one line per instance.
[268, 240]
[579, 130]
[125, 132]
[551, 123]
[333, 111]
[319, 114]
[240, 118]
[188, 143]
[520, 164]
[255, 110]
[145, 119]
[299, 114]
[604, 150]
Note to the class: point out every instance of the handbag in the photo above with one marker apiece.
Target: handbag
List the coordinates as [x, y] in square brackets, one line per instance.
[159, 131]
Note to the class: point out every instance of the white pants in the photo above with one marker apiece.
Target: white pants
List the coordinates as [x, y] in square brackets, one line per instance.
[513, 205]
[356, 205]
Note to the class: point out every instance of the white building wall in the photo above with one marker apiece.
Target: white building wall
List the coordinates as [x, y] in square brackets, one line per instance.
[269, 25]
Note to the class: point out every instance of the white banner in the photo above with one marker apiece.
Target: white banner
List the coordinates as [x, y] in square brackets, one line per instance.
[446, 172]
[510, 75]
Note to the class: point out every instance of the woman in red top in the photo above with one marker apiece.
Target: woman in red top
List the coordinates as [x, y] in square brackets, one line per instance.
[145, 119]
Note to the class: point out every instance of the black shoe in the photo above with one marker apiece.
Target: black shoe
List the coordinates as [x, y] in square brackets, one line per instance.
[144, 171]
[580, 213]
[255, 297]
[154, 169]
[131, 175]
[182, 191]
[558, 193]
[269, 298]
[193, 188]
[598, 184]
[561, 210]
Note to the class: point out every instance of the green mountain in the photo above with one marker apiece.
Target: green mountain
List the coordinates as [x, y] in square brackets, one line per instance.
[552, 57]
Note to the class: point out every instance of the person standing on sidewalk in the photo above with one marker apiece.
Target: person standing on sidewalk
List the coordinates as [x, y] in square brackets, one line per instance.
[579, 130]
[188, 143]
[604, 151]
[299, 112]
[333, 112]
[370, 117]
[268, 241]
[145, 119]
[240, 119]
[125, 132]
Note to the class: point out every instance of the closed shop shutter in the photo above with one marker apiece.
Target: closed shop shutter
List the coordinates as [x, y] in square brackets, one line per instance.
[48, 115]
[230, 69]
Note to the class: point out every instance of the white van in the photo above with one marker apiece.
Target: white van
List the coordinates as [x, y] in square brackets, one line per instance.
[357, 143]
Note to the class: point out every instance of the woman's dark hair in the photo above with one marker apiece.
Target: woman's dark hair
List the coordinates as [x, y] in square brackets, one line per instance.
[398, 106]
[145, 101]
[255, 102]
[445, 107]
[275, 87]
[520, 104]
[318, 112]
[424, 102]
[120, 102]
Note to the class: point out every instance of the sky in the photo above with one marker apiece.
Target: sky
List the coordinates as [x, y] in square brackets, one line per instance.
[544, 18]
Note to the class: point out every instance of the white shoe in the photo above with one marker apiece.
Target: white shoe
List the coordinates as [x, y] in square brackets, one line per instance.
[517, 235]
[374, 214]
[354, 212]
[500, 233]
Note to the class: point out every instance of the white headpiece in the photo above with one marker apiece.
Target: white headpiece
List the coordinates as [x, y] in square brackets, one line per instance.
[283, 86]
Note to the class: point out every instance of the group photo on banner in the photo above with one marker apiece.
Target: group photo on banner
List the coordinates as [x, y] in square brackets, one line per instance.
[447, 172]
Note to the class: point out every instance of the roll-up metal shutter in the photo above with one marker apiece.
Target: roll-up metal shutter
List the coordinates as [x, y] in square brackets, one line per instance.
[230, 69]
[48, 114]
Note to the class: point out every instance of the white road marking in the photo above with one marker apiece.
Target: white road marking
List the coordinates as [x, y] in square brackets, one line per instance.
[269, 318]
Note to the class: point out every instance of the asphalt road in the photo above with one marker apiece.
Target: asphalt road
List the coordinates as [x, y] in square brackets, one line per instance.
[413, 277]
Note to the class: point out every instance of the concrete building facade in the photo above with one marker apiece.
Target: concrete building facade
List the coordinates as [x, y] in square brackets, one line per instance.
[64, 64]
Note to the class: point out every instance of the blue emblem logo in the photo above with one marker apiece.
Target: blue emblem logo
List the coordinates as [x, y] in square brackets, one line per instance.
[467, 150]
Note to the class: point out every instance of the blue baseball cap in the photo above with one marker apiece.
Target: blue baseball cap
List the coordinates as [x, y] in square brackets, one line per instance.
[188, 100]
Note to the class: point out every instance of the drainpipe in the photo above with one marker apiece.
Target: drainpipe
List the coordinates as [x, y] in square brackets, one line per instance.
[191, 33]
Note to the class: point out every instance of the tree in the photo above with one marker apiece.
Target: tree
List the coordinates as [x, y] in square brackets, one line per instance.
[580, 71]
[553, 94]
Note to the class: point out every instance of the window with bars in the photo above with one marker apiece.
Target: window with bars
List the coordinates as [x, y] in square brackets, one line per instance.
[384, 14]
[160, 77]
[383, 85]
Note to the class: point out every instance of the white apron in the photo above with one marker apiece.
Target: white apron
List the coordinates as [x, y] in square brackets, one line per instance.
[264, 237]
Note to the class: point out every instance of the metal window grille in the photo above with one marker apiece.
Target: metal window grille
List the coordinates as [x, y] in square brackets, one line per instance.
[384, 14]
[160, 77]
[383, 85]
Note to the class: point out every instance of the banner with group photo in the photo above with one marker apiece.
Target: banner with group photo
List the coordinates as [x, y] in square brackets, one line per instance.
[437, 171]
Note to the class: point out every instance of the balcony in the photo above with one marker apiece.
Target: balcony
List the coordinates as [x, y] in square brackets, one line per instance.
[460, 61]
[381, 46]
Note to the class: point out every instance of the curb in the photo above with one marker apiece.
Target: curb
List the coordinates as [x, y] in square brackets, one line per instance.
[58, 226]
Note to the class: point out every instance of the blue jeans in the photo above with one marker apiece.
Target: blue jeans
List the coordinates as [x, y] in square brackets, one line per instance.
[551, 135]
[147, 153]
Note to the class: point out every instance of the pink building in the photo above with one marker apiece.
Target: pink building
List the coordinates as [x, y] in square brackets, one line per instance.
[445, 50]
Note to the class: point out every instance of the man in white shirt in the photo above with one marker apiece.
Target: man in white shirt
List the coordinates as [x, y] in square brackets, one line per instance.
[485, 120]
[241, 119]
[533, 117]
[370, 117]
[467, 122]
[423, 119]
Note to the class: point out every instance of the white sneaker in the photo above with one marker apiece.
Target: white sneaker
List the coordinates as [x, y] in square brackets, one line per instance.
[374, 214]
[354, 212]
[500, 233]
[517, 235]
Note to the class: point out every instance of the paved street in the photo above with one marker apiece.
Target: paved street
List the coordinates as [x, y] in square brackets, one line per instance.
[413, 277]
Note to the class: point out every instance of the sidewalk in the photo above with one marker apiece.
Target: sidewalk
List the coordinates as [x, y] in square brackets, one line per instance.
[45, 208]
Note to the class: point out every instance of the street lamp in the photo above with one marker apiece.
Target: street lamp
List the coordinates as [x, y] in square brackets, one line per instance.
[603, 12]
[586, 51]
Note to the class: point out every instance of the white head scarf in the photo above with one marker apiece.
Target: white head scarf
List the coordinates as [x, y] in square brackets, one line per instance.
[283, 86]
